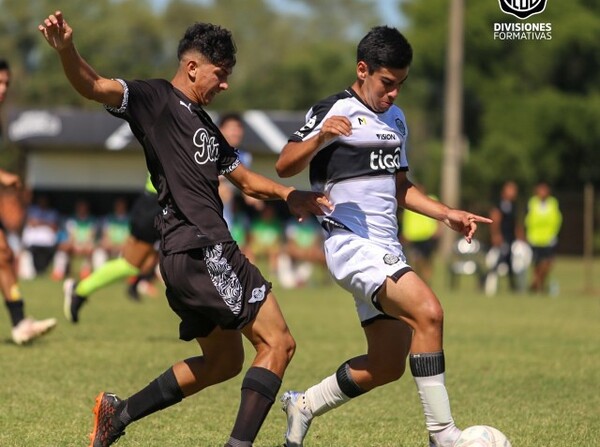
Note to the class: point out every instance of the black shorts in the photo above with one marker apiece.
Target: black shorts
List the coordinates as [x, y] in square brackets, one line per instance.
[423, 249]
[213, 286]
[542, 253]
[143, 213]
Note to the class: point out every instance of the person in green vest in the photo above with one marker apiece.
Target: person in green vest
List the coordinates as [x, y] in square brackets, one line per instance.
[420, 235]
[542, 225]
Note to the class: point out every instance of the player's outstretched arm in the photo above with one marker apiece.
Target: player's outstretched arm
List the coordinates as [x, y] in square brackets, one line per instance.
[409, 197]
[80, 74]
[464, 222]
[300, 203]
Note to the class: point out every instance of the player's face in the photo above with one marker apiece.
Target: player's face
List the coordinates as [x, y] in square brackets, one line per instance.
[4, 83]
[208, 79]
[380, 88]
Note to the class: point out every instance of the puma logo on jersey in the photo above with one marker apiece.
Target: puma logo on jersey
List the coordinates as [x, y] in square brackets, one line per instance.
[258, 294]
[187, 106]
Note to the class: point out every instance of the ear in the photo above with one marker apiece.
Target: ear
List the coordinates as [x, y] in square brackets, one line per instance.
[191, 68]
[362, 70]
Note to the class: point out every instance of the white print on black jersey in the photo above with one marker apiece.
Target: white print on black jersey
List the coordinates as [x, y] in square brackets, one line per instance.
[223, 278]
[208, 147]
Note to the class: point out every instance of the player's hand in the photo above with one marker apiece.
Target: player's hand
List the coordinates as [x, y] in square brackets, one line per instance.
[8, 179]
[335, 126]
[56, 31]
[465, 222]
[304, 203]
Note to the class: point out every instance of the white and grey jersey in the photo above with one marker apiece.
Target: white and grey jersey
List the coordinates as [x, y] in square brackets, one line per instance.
[358, 172]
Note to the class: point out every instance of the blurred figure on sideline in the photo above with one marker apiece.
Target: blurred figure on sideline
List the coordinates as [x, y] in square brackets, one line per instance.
[231, 126]
[420, 235]
[266, 237]
[507, 256]
[39, 237]
[542, 225]
[76, 243]
[24, 329]
[114, 231]
[302, 251]
[138, 258]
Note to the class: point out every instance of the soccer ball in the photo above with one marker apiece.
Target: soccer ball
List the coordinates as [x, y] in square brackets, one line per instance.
[482, 436]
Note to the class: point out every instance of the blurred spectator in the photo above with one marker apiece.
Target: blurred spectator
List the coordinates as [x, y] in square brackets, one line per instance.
[542, 225]
[114, 231]
[39, 237]
[76, 242]
[508, 255]
[235, 213]
[265, 236]
[231, 126]
[240, 227]
[302, 250]
[420, 235]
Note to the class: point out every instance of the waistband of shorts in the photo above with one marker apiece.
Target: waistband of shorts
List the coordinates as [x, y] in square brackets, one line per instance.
[330, 225]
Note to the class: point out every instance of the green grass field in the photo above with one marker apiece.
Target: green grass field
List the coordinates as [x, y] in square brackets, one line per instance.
[529, 365]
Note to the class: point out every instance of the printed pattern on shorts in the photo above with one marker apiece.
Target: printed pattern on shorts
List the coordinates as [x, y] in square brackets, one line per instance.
[224, 278]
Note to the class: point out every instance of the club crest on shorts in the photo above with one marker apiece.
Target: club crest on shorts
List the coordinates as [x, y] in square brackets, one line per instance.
[522, 9]
[390, 259]
[258, 294]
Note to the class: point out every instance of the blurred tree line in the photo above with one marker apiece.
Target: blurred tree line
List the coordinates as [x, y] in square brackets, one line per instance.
[532, 108]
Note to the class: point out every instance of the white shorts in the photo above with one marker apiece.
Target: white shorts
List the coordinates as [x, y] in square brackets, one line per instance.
[361, 266]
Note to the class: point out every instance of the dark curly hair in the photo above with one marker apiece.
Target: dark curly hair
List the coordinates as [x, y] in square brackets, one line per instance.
[212, 41]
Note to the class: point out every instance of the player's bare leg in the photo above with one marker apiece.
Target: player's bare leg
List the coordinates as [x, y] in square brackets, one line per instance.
[413, 301]
[388, 343]
[24, 329]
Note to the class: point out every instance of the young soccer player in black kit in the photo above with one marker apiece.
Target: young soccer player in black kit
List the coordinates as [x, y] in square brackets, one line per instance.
[211, 286]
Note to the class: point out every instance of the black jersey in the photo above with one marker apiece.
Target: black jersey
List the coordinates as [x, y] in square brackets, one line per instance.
[185, 154]
[508, 220]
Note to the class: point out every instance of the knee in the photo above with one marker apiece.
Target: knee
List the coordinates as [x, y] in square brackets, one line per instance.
[282, 349]
[431, 314]
[286, 347]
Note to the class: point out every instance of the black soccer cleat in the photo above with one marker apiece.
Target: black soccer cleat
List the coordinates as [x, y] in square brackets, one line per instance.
[107, 426]
[133, 293]
[72, 302]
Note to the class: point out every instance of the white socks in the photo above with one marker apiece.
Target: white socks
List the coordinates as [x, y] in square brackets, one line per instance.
[435, 401]
[325, 396]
